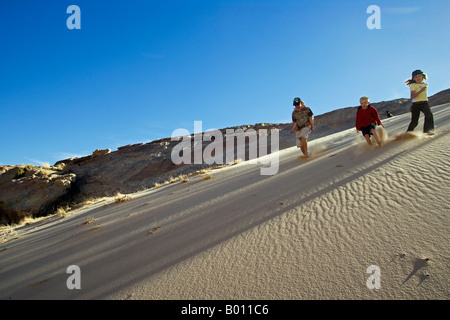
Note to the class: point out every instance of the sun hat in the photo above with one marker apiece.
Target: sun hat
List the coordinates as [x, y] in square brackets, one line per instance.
[416, 72]
[408, 82]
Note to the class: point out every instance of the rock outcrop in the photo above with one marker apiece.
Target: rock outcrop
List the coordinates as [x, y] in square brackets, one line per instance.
[27, 191]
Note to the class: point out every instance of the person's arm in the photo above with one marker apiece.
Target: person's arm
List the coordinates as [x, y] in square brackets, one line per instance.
[294, 127]
[311, 122]
[357, 121]
[377, 117]
[294, 123]
[414, 94]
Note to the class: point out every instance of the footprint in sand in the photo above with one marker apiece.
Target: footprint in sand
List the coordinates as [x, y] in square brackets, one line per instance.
[35, 284]
[417, 267]
[149, 233]
[418, 264]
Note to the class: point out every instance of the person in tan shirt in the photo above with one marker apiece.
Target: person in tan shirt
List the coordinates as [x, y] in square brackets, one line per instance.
[303, 120]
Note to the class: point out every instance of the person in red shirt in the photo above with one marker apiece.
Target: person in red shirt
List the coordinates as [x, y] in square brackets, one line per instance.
[367, 119]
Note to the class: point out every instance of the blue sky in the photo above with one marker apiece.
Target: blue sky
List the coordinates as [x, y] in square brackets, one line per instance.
[138, 70]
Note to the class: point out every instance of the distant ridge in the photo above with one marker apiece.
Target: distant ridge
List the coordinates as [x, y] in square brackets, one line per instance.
[35, 191]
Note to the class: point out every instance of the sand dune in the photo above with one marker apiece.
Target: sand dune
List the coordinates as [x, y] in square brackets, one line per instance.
[308, 232]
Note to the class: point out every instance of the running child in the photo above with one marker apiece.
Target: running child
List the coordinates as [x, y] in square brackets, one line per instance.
[367, 119]
[419, 97]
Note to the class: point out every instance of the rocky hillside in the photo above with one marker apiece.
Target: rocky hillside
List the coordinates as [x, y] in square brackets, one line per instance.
[33, 191]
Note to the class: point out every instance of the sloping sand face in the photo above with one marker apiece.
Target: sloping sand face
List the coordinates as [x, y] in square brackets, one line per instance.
[353, 222]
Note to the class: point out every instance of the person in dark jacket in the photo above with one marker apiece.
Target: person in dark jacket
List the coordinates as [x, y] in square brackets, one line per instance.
[367, 119]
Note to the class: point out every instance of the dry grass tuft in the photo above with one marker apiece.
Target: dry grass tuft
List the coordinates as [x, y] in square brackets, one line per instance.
[6, 233]
[207, 176]
[184, 178]
[62, 212]
[122, 198]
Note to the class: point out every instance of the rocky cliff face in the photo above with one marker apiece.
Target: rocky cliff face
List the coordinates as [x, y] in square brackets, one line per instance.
[137, 167]
[31, 191]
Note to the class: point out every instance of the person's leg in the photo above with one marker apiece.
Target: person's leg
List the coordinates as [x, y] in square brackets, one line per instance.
[303, 138]
[297, 137]
[415, 112]
[428, 125]
[375, 135]
[367, 134]
[304, 146]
